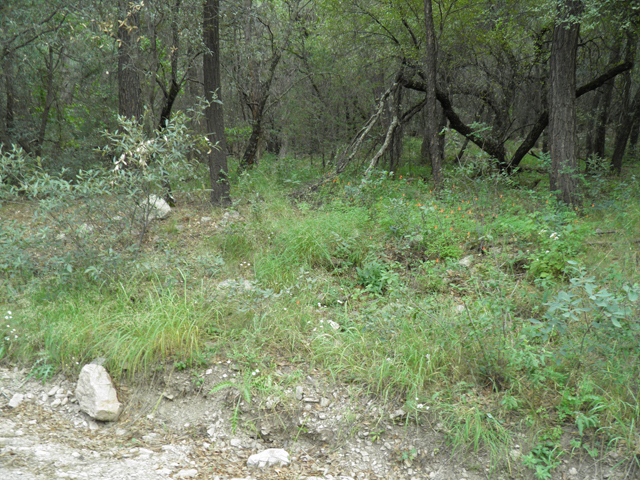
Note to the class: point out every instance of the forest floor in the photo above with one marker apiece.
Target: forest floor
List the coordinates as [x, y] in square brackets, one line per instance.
[379, 333]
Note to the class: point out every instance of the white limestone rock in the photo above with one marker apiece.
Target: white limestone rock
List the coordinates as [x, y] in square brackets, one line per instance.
[158, 208]
[16, 400]
[268, 458]
[96, 394]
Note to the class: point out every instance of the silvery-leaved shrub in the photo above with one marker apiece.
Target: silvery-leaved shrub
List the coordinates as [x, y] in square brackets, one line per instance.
[94, 221]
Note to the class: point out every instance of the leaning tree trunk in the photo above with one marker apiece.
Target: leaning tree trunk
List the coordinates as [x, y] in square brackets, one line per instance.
[433, 118]
[129, 91]
[395, 148]
[562, 102]
[218, 176]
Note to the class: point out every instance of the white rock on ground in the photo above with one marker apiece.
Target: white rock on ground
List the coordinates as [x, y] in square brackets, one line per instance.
[269, 458]
[16, 400]
[158, 208]
[96, 394]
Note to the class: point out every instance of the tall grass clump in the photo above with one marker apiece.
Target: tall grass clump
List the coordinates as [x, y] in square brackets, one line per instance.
[334, 241]
[130, 327]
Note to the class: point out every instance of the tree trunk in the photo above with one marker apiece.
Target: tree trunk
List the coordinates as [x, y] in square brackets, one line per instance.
[129, 91]
[626, 114]
[48, 102]
[493, 147]
[622, 134]
[600, 132]
[635, 128]
[218, 175]
[433, 118]
[591, 124]
[250, 156]
[395, 148]
[7, 73]
[562, 102]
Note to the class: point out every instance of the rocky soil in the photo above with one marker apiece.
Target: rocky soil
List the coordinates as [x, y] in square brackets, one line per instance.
[173, 427]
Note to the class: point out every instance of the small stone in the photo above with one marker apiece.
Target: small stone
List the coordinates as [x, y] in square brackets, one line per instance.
[187, 473]
[466, 261]
[150, 437]
[53, 391]
[268, 458]
[206, 220]
[324, 402]
[16, 400]
[56, 402]
[236, 442]
[299, 392]
[397, 414]
[573, 472]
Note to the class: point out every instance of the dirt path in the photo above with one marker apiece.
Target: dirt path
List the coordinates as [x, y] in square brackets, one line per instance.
[174, 429]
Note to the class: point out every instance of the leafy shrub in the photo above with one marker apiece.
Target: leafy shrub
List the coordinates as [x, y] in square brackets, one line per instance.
[94, 222]
[374, 276]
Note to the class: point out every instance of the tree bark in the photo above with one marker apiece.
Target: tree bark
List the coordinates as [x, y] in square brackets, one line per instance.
[591, 124]
[48, 102]
[600, 132]
[562, 102]
[129, 91]
[217, 158]
[626, 114]
[249, 158]
[171, 95]
[623, 132]
[635, 128]
[395, 148]
[433, 119]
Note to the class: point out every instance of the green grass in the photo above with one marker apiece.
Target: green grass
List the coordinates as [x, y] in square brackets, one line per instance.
[130, 327]
[362, 280]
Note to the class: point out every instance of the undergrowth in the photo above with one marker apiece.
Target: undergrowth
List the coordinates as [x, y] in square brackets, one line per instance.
[488, 303]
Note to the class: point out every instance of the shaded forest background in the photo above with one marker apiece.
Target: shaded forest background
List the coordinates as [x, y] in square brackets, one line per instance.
[303, 78]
